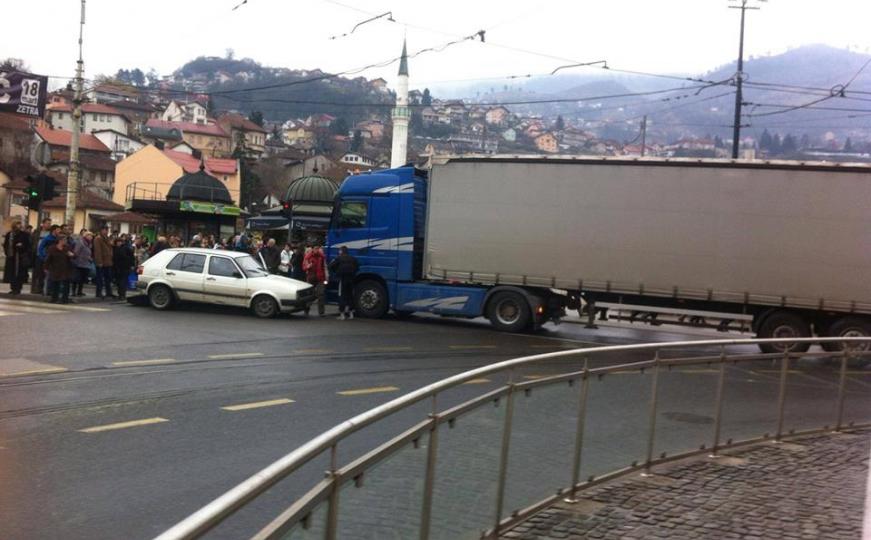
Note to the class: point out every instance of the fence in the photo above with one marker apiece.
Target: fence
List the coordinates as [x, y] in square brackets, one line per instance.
[476, 468]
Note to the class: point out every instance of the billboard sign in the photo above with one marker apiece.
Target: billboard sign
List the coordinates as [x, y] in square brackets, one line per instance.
[23, 93]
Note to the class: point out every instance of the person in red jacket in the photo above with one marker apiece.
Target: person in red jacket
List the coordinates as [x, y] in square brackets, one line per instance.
[315, 267]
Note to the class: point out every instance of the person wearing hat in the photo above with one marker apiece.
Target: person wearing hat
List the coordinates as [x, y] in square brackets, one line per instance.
[103, 250]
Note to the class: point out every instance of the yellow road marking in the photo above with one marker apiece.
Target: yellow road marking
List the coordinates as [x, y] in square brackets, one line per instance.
[363, 391]
[314, 351]
[790, 371]
[698, 371]
[868, 373]
[477, 381]
[257, 404]
[234, 355]
[388, 349]
[35, 372]
[533, 377]
[11, 304]
[471, 346]
[144, 362]
[124, 425]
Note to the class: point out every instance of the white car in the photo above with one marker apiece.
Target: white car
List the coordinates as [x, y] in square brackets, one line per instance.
[220, 277]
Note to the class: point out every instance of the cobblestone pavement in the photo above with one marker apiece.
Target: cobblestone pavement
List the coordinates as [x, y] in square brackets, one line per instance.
[809, 488]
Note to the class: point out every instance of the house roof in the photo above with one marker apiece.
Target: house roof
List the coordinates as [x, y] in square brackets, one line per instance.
[130, 217]
[95, 108]
[85, 200]
[155, 132]
[199, 186]
[116, 132]
[237, 121]
[62, 137]
[189, 127]
[190, 164]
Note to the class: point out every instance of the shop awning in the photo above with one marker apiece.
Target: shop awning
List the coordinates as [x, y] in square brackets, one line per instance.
[267, 223]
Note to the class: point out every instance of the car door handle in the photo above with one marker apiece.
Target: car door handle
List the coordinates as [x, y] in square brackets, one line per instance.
[170, 273]
[210, 279]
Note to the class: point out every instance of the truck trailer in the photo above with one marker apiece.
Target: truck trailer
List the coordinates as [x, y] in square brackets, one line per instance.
[783, 247]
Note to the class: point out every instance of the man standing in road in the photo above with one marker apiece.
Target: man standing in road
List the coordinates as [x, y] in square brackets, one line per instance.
[59, 266]
[270, 256]
[345, 268]
[16, 247]
[296, 260]
[315, 268]
[38, 283]
[103, 260]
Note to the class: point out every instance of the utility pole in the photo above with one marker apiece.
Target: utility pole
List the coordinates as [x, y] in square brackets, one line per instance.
[739, 79]
[643, 135]
[75, 167]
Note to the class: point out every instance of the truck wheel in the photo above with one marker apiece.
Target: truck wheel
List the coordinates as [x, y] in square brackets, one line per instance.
[849, 327]
[509, 312]
[784, 324]
[160, 297]
[370, 299]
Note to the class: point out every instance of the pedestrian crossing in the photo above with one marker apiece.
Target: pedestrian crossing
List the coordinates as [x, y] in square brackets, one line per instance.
[10, 306]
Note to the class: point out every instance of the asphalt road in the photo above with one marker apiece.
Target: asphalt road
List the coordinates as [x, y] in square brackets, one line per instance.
[117, 421]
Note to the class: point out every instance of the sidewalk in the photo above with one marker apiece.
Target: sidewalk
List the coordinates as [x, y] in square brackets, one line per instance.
[25, 295]
[809, 488]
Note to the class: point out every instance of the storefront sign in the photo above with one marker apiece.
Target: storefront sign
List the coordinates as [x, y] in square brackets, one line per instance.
[210, 208]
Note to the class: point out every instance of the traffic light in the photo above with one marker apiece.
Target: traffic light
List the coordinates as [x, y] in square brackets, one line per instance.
[287, 209]
[33, 193]
[48, 187]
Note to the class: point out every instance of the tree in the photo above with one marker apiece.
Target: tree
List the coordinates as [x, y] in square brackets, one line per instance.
[718, 142]
[765, 140]
[357, 141]
[152, 77]
[272, 177]
[137, 77]
[256, 117]
[13, 64]
[339, 126]
[848, 146]
[789, 145]
[805, 142]
[229, 54]
[426, 100]
[560, 124]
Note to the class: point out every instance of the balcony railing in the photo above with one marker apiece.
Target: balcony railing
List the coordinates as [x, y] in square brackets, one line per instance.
[463, 467]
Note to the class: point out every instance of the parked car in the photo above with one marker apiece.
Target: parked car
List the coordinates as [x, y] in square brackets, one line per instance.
[220, 277]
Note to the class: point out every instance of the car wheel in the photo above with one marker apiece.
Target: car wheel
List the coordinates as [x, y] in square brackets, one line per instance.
[509, 312]
[370, 299]
[160, 297]
[264, 306]
[847, 327]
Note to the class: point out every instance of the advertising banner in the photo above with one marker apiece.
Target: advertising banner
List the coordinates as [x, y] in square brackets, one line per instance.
[23, 93]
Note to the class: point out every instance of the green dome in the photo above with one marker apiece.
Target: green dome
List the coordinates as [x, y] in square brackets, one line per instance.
[311, 189]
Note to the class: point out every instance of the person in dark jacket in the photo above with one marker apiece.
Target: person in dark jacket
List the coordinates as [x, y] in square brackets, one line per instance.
[83, 260]
[102, 251]
[123, 261]
[296, 259]
[16, 247]
[270, 256]
[59, 268]
[37, 285]
[345, 267]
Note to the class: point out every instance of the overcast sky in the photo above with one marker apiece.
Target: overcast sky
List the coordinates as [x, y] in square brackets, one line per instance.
[686, 36]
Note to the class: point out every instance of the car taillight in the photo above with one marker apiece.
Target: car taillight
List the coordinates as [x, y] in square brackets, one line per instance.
[139, 270]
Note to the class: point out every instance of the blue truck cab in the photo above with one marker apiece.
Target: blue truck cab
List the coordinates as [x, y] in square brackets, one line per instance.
[381, 217]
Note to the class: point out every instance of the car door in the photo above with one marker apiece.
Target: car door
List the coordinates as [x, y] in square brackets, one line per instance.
[185, 274]
[224, 283]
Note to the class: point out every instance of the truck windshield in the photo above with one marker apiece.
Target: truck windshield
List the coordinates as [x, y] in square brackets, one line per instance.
[250, 267]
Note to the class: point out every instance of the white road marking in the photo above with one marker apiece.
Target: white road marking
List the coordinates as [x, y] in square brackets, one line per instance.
[234, 355]
[364, 391]
[144, 362]
[8, 303]
[123, 425]
[257, 404]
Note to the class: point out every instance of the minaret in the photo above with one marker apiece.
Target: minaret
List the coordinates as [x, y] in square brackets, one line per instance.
[399, 153]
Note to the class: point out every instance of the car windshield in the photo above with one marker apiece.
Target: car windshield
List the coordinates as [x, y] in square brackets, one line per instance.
[251, 267]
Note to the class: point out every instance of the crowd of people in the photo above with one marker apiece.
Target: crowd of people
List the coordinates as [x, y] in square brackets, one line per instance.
[59, 264]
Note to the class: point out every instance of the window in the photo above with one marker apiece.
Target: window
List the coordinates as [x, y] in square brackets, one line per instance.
[352, 215]
[94, 117]
[222, 266]
[187, 262]
[250, 267]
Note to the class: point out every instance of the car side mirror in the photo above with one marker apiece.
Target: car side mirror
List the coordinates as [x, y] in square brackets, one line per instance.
[238, 275]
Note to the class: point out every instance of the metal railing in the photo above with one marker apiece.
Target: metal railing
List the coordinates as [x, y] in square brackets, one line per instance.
[485, 464]
[158, 191]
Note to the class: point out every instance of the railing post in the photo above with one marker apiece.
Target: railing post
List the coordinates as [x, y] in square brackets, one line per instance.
[781, 398]
[579, 434]
[652, 425]
[503, 456]
[842, 386]
[718, 403]
[429, 478]
[333, 510]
